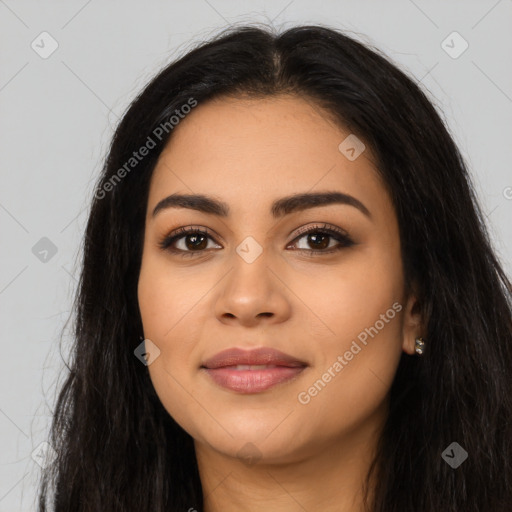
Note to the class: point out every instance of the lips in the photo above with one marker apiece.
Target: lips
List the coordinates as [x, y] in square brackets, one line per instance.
[260, 356]
[252, 371]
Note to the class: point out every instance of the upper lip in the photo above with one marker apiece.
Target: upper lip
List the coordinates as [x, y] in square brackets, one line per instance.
[259, 356]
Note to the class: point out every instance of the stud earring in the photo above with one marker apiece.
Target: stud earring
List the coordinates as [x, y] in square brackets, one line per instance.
[419, 346]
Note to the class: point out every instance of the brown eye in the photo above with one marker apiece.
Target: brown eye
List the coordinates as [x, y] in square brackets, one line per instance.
[186, 241]
[193, 242]
[318, 240]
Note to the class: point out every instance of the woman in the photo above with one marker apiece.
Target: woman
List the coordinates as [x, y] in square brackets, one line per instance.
[289, 300]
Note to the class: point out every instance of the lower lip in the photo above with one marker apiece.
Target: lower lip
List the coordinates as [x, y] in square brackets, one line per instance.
[252, 381]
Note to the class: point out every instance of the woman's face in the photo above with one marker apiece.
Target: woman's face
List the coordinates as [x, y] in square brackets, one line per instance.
[253, 281]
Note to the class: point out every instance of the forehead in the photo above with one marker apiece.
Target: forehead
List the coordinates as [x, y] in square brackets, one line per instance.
[258, 149]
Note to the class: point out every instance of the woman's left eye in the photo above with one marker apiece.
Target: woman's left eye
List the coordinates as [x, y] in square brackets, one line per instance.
[195, 240]
[321, 240]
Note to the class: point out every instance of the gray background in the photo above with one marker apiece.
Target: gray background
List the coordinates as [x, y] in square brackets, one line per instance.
[57, 115]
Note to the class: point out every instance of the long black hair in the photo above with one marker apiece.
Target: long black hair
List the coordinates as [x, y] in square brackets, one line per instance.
[117, 447]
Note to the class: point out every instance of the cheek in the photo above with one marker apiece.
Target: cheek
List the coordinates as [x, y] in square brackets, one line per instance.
[166, 296]
[358, 358]
[356, 374]
[342, 301]
[170, 307]
[164, 304]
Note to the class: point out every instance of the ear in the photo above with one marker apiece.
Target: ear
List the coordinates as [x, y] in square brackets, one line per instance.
[412, 324]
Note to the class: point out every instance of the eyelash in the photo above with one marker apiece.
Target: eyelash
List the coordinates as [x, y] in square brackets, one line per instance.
[336, 233]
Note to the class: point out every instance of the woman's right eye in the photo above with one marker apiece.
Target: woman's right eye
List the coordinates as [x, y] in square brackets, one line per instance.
[192, 240]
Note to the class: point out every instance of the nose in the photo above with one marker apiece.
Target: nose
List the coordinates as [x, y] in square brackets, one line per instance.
[252, 293]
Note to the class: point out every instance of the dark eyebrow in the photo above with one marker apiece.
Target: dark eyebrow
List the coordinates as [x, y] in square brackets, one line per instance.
[280, 207]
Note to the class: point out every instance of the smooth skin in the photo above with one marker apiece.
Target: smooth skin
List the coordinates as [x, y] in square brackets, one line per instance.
[248, 153]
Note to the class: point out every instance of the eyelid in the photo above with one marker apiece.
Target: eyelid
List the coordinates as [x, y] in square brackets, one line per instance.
[325, 227]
